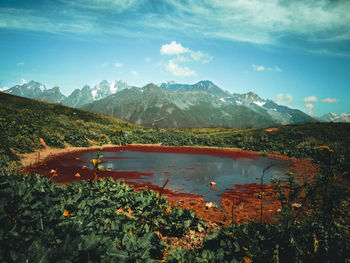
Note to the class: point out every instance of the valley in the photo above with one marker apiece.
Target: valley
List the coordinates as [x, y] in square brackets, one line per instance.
[30, 127]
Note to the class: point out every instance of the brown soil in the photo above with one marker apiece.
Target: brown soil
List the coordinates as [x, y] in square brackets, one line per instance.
[244, 197]
[30, 159]
[271, 129]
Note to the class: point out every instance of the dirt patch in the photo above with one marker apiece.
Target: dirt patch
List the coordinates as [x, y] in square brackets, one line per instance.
[271, 129]
[241, 203]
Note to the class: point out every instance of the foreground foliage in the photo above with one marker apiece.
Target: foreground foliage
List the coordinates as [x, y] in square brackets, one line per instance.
[103, 221]
[316, 236]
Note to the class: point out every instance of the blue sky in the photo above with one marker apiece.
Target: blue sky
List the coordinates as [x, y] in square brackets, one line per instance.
[295, 52]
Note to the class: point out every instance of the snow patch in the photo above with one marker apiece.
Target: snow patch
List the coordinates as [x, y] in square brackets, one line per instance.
[42, 88]
[222, 99]
[170, 110]
[112, 87]
[238, 102]
[259, 103]
[94, 94]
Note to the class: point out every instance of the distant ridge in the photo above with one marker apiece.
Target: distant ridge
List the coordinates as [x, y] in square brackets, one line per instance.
[170, 104]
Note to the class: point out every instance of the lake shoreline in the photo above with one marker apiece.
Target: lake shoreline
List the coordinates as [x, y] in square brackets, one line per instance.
[246, 201]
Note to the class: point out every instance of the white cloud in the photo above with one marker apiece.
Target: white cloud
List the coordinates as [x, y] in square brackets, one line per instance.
[4, 88]
[20, 64]
[135, 73]
[181, 59]
[200, 56]
[23, 81]
[179, 71]
[297, 24]
[330, 100]
[263, 68]
[26, 19]
[177, 49]
[115, 5]
[173, 49]
[258, 68]
[148, 60]
[309, 107]
[310, 99]
[182, 55]
[118, 65]
[104, 65]
[284, 98]
[278, 69]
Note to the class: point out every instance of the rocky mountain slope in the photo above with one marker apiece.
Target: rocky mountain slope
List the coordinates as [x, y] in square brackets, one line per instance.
[200, 105]
[170, 105]
[333, 117]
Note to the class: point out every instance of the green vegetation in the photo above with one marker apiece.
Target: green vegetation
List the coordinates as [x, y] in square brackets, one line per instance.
[316, 235]
[24, 121]
[105, 221]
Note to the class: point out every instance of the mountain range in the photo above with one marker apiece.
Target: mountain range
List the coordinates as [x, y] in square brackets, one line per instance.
[171, 105]
[333, 117]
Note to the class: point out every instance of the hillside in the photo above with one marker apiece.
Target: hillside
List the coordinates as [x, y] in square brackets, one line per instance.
[24, 121]
[107, 221]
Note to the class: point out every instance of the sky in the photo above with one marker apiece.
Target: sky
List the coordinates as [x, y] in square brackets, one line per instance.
[295, 52]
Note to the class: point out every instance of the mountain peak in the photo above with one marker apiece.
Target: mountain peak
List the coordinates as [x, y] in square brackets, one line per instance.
[150, 86]
[205, 82]
[203, 85]
[331, 116]
[32, 89]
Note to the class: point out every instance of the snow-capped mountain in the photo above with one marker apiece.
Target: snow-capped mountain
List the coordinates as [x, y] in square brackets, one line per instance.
[52, 95]
[77, 98]
[204, 85]
[170, 104]
[104, 89]
[333, 117]
[199, 105]
[87, 94]
[31, 90]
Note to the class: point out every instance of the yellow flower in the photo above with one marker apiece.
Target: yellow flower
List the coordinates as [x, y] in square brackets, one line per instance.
[324, 147]
[65, 213]
[130, 232]
[315, 243]
[95, 161]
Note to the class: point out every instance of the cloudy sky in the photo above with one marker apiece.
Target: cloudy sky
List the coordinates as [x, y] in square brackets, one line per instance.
[295, 52]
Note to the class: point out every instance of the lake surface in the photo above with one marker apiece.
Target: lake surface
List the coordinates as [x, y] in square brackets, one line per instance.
[188, 173]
